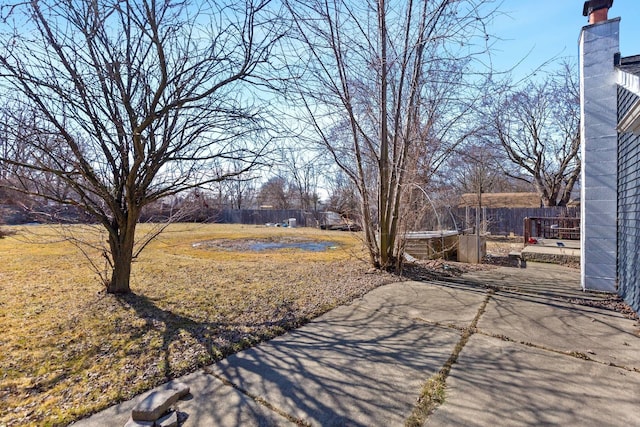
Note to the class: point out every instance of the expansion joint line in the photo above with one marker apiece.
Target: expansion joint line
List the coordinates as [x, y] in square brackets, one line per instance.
[433, 392]
[258, 399]
[575, 354]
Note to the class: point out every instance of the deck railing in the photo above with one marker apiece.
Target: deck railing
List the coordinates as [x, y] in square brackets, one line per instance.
[551, 228]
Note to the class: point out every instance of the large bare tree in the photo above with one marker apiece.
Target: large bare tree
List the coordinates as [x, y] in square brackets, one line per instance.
[127, 102]
[538, 126]
[380, 81]
[275, 193]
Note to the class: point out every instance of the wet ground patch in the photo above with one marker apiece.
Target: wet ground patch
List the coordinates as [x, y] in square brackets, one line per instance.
[267, 244]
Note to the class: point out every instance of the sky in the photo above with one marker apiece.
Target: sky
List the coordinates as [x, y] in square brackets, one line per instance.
[535, 31]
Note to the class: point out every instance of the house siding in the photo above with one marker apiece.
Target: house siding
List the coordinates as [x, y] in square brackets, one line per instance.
[628, 229]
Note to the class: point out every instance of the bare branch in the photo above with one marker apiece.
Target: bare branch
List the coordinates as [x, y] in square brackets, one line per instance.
[128, 102]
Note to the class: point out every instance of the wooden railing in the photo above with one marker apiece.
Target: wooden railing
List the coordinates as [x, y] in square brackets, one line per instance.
[551, 228]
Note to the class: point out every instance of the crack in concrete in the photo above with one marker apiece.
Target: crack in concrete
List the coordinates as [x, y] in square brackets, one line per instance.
[259, 400]
[433, 392]
[439, 324]
[575, 354]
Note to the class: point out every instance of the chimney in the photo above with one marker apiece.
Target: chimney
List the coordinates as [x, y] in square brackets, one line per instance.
[597, 10]
[599, 43]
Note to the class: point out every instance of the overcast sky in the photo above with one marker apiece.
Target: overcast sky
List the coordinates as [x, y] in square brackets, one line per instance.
[544, 29]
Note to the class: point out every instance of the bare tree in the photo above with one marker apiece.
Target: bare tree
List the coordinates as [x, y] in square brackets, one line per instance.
[5, 146]
[303, 168]
[538, 126]
[343, 197]
[276, 193]
[133, 101]
[236, 192]
[240, 192]
[477, 169]
[381, 80]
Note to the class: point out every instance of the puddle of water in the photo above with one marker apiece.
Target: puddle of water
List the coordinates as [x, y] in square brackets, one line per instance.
[305, 246]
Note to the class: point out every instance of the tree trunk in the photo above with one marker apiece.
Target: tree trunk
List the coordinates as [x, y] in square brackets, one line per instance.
[121, 242]
[386, 245]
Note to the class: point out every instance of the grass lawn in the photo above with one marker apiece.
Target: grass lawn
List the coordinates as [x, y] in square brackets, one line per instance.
[68, 349]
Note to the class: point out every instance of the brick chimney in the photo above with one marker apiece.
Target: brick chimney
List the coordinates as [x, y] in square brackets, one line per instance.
[597, 10]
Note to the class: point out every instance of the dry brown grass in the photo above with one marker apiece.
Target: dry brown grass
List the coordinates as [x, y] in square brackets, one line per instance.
[69, 349]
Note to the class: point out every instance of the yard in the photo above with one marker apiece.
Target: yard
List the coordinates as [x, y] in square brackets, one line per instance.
[200, 292]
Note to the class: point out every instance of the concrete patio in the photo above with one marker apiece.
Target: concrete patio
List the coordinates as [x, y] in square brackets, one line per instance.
[535, 357]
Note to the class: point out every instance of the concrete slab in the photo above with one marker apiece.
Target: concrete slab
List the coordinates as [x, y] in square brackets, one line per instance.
[116, 415]
[217, 404]
[553, 250]
[550, 254]
[349, 367]
[601, 335]
[537, 278]
[501, 383]
[210, 403]
[437, 302]
[553, 243]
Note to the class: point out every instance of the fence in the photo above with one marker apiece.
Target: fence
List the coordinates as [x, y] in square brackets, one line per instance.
[506, 221]
[497, 221]
[262, 216]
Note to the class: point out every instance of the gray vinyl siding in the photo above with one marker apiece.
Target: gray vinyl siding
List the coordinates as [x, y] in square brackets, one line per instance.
[628, 208]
